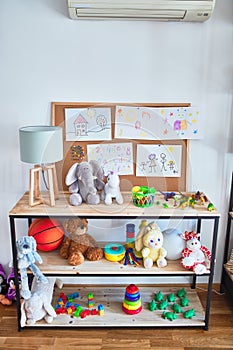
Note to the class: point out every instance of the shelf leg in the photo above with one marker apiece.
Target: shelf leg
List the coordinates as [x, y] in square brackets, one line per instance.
[198, 225]
[211, 276]
[193, 286]
[15, 264]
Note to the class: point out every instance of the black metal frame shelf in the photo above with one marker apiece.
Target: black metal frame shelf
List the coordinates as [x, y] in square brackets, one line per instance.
[15, 215]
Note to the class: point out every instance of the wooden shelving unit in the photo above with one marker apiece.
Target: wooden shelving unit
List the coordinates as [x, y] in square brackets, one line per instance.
[109, 296]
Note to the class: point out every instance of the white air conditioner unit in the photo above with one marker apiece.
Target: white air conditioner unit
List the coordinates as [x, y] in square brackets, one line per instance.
[160, 10]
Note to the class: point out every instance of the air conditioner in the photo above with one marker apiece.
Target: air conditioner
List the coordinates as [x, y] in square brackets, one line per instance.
[160, 10]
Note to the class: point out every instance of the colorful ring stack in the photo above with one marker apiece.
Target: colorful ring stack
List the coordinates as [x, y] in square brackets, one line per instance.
[114, 252]
[132, 303]
[130, 235]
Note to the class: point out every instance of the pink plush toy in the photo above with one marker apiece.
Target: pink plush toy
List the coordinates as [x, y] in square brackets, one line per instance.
[195, 256]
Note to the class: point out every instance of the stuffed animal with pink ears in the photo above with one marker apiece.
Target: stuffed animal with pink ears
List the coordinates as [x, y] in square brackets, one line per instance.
[195, 256]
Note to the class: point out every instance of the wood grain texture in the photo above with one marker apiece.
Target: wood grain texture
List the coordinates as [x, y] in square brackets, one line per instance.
[54, 264]
[127, 209]
[219, 335]
[112, 298]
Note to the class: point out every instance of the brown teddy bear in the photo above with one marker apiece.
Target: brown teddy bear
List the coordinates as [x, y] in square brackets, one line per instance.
[79, 244]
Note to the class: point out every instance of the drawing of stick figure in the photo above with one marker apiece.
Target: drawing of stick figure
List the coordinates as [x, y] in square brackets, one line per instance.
[152, 162]
[171, 164]
[163, 161]
[143, 166]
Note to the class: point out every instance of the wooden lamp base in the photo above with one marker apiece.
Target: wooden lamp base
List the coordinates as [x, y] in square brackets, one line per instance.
[34, 186]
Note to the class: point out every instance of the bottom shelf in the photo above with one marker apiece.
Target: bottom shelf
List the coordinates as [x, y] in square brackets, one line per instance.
[112, 299]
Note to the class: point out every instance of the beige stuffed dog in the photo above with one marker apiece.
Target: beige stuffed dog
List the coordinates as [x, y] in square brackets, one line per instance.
[150, 242]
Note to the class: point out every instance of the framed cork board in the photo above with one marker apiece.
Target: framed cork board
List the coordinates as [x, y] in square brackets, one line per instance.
[163, 183]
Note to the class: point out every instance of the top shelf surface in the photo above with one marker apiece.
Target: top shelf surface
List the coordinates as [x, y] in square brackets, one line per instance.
[127, 209]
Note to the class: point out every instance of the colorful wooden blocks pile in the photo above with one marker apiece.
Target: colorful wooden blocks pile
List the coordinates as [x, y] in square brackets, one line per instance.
[66, 305]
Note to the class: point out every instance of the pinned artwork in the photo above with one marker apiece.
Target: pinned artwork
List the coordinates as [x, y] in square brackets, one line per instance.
[117, 157]
[159, 160]
[88, 124]
[168, 123]
[77, 153]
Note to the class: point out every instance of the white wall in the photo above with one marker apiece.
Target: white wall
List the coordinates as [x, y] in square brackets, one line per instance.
[45, 56]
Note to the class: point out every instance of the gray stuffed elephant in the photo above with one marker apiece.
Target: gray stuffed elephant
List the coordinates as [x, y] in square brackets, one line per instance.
[83, 180]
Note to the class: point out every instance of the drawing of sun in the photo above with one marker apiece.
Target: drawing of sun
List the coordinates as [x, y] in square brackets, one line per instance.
[91, 112]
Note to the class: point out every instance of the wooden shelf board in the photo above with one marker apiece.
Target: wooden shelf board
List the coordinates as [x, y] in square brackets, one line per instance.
[127, 209]
[54, 264]
[112, 298]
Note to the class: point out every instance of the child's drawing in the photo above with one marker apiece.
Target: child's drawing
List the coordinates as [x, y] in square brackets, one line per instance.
[159, 160]
[88, 124]
[158, 123]
[117, 157]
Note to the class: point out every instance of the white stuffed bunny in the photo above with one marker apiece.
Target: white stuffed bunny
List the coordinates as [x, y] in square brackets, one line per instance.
[150, 242]
[112, 189]
[38, 306]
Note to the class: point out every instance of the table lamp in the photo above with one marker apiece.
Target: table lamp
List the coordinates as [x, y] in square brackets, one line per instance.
[43, 146]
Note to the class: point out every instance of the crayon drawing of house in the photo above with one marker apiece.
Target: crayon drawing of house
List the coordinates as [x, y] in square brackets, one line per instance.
[80, 125]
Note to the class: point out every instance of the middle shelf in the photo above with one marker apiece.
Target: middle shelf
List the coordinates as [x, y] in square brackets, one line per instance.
[54, 264]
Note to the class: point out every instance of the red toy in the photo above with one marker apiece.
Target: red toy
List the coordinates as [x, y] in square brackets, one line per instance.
[48, 233]
[195, 256]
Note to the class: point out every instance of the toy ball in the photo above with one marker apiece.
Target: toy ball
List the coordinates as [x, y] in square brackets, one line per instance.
[48, 233]
[173, 243]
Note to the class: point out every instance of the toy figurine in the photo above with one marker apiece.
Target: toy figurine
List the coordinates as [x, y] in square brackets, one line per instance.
[170, 316]
[189, 314]
[195, 256]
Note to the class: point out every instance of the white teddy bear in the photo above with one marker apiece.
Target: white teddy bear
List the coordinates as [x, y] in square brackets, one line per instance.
[112, 189]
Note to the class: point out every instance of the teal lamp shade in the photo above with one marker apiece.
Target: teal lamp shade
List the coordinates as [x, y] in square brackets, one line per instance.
[41, 144]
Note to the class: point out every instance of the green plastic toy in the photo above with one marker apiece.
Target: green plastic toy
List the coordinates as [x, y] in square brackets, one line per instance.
[184, 301]
[163, 305]
[176, 308]
[169, 315]
[189, 313]
[159, 296]
[171, 297]
[152, 305]
[181, 293]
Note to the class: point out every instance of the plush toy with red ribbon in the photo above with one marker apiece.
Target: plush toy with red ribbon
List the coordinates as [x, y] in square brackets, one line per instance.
[195, 256]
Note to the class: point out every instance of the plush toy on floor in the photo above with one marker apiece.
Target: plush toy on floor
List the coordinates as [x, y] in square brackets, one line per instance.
[38, 306]
[79, 244]
[112, 189]
[10, 295]
[195, 256]
[3, 284]
[27, 256]
[83, 180]
[150, 242]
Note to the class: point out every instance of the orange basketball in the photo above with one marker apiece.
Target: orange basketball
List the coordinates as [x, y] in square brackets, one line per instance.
[48, 233]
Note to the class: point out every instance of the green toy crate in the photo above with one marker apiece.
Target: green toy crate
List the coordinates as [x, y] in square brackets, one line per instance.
[143, 196]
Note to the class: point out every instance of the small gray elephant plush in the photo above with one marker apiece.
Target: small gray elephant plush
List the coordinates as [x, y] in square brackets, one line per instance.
[83, 180]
